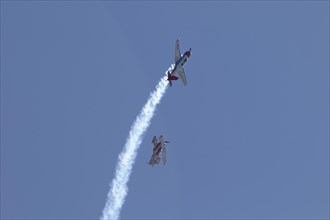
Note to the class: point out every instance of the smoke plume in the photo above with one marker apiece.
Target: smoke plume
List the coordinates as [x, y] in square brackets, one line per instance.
[118, 187]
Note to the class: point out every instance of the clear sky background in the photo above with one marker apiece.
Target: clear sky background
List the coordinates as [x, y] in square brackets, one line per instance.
[249, 133]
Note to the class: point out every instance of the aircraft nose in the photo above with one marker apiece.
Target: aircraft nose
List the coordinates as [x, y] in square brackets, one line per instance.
[188, 53]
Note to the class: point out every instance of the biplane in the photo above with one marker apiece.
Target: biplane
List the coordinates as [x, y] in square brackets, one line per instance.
[159, 148]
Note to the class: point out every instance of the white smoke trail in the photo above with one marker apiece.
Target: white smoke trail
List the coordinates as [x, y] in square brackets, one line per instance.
[126, 159]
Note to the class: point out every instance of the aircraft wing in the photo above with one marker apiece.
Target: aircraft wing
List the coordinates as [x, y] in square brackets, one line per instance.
[177, 54]
[164, 156]
[154, 141]
[182, 76]
[161, 141]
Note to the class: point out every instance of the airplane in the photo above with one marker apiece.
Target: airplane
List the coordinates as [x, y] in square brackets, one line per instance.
[180, 60]
[158, 147]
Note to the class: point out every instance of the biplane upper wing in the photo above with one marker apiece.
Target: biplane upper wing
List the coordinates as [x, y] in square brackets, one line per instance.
[161, 141]
[164, 155]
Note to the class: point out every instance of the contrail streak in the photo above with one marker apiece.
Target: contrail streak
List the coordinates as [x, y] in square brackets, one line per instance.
[126, 159]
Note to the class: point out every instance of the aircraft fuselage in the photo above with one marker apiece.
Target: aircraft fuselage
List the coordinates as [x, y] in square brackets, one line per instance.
[179, 64]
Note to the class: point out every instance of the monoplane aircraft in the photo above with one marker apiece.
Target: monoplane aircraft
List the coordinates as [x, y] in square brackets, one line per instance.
[180, 60]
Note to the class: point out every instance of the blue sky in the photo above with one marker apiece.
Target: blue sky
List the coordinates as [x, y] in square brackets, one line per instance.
[249, 133]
